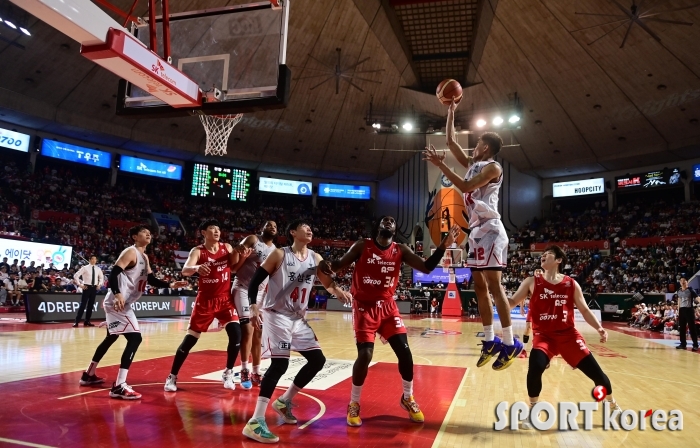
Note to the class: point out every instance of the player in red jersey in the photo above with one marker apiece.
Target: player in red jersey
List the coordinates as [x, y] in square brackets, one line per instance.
[552, 299]
[377, 264]
[212, 261]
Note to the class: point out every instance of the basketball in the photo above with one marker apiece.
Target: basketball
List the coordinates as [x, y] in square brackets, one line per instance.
[447, 90]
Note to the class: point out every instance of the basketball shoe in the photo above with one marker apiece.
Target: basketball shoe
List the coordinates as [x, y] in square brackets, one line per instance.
[87, 380]
[227, 378]
[489, 349]
[353, 418]
[414, 412]
[257, 429]
[124, 391]
[284, 408]
[256, 379]
[507, 355]
[246, 382]
[171, 383]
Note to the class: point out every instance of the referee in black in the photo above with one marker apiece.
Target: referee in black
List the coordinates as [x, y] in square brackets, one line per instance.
[92, 278]
[686, 314]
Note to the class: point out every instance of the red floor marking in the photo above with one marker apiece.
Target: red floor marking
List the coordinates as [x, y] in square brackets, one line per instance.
[205, 415]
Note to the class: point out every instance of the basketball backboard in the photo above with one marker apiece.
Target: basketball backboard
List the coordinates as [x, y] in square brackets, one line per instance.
[453, 258]
[239, 51]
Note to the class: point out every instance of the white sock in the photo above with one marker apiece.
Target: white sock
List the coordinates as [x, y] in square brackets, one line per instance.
[488, 333]
[407, 388]
[256, 370]
[261, 407]
[355, 393]
[121, 376]
[290, 393]
[92, 369]
[244, 365]
[508, 336]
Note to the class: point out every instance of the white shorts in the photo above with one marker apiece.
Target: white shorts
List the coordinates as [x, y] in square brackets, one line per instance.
[282, 334]
[488, 246]
[241, 302]
[120, 322]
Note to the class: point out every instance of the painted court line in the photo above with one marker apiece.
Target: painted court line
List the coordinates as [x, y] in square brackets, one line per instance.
[19, 442]
[320, 414]
[438, 438]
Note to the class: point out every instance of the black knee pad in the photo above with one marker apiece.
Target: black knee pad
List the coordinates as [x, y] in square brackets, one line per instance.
[244, 320]
[590, 367]
[537, 364]
[315, 359]
[233, 329]
[133, 338]
[278, 366]
[399, 343]
[187, 343]
[365, 352]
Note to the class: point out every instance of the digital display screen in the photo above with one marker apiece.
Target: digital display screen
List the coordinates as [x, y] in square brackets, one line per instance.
[650, 179]
[220, 182]
[14, 140]
[344, 191]
[696, 172]
[437, 276]
[150, 168]
[75, 153]
[578, 187]
[285, 186]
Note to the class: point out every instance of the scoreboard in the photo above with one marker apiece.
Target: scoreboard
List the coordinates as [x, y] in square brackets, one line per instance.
[220, 182]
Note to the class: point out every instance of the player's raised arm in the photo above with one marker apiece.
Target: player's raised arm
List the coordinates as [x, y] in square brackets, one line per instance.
[521, 294]
[588, 316]
[427, 266]
[191, 267]
[455, 148]
[351, 256]
[489, 173]
[330, 284]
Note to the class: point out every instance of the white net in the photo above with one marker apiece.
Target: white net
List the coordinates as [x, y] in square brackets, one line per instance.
[218, 128]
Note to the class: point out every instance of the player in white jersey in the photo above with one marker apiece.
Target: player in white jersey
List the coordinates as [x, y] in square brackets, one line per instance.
[488, 241]
[292, 272]
[261, 246]
[127, 281]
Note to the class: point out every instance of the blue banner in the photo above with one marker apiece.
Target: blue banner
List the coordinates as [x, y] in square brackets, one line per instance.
[344, 191]
[437, 276]
[284, 186]
[75, 153]
[150, 168]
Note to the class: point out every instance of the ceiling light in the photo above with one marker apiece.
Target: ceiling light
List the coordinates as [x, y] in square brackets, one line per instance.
[25, 31]
[376, 125]
[11, 25]
[481, 122]
[498, 121]
[407, 126]
[513, 119]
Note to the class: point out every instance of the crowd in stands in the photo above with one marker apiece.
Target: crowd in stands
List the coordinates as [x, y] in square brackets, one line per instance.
[88, 195]
[660, 317]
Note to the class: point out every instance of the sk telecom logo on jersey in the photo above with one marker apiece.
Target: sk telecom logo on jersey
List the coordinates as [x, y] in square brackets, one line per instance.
[567, 412]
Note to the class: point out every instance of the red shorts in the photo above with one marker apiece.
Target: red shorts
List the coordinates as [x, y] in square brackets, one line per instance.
[380, 317]
[568, 343]
[205, 310]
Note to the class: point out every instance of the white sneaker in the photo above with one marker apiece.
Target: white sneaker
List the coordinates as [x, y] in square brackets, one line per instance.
[227, 378]
[171, 383]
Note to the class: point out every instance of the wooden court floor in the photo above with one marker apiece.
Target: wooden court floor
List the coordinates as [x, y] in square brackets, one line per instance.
[44, 406]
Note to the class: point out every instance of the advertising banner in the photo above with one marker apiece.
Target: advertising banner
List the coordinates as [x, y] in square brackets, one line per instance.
[437, 276]
[39, 253]
[578, 187]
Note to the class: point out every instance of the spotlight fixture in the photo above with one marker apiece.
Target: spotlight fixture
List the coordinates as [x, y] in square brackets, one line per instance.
[11, 25]
[513, 119]
[407, 126]
[25, 31]
[498, 121]
[376, 125]
[480, 123]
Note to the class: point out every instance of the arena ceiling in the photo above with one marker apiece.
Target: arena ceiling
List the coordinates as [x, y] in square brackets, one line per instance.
[588, 104]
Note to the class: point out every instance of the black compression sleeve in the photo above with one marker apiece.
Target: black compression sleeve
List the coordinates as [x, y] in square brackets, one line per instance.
[432, 262]
[260, 275]
[113, 279]
[155, 281]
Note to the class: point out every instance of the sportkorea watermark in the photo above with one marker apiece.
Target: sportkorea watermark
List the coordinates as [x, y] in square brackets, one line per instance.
[567, 413]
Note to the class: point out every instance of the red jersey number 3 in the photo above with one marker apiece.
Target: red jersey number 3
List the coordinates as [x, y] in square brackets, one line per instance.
[376, 273]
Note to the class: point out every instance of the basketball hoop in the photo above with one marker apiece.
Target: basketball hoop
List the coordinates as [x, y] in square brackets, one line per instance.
[446, 264]
[218, 128]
